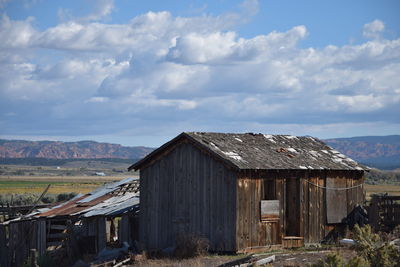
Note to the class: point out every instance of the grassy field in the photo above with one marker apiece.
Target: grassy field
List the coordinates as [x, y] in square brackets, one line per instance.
[75, 176]
[393, 190]
[59, 184]
[85, 184]
[80, 177]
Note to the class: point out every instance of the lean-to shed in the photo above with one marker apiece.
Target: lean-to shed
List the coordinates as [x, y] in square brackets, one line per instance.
[244, 190]
[82, 225]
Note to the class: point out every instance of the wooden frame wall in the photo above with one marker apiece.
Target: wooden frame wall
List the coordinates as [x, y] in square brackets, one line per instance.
[251, 232]
[186, 191]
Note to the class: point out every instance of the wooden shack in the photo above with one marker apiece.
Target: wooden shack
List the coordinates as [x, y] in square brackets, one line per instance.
[83, 225]
[244, 190]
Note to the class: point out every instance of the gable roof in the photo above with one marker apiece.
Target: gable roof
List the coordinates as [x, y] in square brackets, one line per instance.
[261, 151]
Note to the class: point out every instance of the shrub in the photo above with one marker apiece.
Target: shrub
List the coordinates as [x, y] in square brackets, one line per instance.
[374, 249]
[65, 196]
[50, 198]
[331, 260]
[335, 260]
[191, 245]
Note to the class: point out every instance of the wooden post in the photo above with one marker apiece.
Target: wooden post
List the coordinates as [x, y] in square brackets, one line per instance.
[3, 246]
[71, 244]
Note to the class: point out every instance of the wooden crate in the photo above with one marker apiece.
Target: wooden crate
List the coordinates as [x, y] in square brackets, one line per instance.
[292, 242]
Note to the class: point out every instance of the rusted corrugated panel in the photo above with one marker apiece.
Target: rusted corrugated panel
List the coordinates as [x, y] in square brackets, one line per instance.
[78, 208]
[79, 205]
[60, 209]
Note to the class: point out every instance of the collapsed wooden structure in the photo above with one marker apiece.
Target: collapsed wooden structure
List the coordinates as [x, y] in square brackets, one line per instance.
[82, 225]
[244, 190]
[384, 212]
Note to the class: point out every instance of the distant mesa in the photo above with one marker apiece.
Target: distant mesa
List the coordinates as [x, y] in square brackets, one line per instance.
[382, 152]
[69, 150]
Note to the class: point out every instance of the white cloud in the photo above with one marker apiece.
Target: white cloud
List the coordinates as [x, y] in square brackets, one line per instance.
[16, 34]
[373, 29]
[159, 71]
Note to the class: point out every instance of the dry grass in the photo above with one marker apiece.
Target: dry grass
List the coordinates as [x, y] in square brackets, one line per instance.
[203, 261]
[81, 179]
[84, 184]
[59, 184]
[393, 190]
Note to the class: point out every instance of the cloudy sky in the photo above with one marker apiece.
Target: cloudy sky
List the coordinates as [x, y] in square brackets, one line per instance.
[141, 72]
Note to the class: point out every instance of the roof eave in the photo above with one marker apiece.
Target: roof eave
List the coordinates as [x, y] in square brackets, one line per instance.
[136, 166]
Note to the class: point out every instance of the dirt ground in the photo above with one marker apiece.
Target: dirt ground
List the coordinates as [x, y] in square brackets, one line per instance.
[285, 258]
[304, 258]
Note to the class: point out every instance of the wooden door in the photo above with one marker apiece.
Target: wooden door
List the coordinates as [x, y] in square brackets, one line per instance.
[292, 210]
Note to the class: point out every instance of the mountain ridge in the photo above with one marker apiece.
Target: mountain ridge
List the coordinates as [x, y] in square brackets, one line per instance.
[69, 150]
[381, 152]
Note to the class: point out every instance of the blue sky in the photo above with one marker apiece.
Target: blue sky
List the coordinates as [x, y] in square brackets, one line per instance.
[141, 72]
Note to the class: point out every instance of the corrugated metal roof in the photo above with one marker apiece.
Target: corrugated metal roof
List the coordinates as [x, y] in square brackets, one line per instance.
[106, 189]
[262, 151]
[101, 201]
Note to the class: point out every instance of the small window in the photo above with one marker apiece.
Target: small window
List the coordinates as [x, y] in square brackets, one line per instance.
[269, 210]
[269, 205]
[269, 189]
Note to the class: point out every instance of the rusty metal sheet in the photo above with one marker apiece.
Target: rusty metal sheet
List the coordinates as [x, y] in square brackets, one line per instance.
[97, 202]
[336, 200]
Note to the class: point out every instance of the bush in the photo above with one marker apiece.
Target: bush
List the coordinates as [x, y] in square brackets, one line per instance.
[335, 260]
[332, 260]
[190, 245]
[30, 198]
[372, 250]
[65, 196]
[48, 199]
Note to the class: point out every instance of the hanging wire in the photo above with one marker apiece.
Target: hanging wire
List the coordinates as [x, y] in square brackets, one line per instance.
[335, 188]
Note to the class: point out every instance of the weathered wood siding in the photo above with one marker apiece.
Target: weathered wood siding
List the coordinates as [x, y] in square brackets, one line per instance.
[185, 190]
[22, 237]
[308, 207]
[250, 231]
[314, 209]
